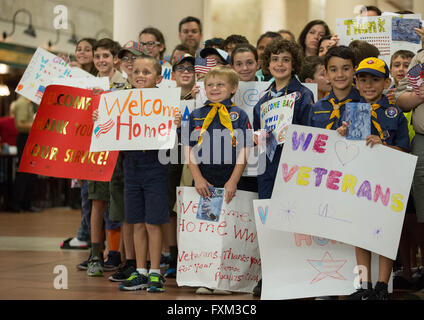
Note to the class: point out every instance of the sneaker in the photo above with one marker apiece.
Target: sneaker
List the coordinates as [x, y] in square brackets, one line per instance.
[83, 265]
[136, 281]
[156, 283]
[74, 243]
[204, 290]
[257, 290]
[164, 260]
[170, 273]
[113, 261]
[123, 273]
[360, 294]
[380, 292]
[95, 268]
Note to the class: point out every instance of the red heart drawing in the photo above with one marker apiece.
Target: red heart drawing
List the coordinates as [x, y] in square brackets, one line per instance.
[20, 87]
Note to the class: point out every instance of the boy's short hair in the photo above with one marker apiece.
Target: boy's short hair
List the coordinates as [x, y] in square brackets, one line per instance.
[342, 52]
[309, 67]
[113, 46]
[374, 66]
[214, 42]
[244, 47]
[371, 8]
[190, 19]
[269, 34]
[404, 54]
[223, 71]
[362, 50]
[234, 38]
[156, 63]
[184, 48]
[278, 46]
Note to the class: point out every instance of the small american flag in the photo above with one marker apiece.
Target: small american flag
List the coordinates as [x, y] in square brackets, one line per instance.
[40, 92]
[416, 76]
[104, 128]
[204, 65]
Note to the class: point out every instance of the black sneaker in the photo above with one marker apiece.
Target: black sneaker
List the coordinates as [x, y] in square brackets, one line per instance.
[156, 283]
[136, 281]
[122, 274]
[257, 290]
[360, 294]
[380, 292]
[113, 261]
[164, 260]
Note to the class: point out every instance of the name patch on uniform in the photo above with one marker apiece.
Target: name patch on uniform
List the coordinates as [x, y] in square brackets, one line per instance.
[391, 112]
[234, 116]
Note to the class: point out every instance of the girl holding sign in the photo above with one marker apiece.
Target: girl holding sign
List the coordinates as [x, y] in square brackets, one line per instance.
[283, 59]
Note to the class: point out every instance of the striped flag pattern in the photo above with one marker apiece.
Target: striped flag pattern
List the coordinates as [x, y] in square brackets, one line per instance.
[104, 128]
[416, 76]
[204, 65]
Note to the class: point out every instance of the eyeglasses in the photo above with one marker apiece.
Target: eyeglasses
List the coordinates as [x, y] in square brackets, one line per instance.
[127, 59]
[150, 43]
[183, 69]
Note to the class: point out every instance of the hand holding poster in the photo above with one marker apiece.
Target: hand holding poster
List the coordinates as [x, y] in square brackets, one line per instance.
[355, 194]
[43, 67]
[138, 119]
[59, 141]
[297, 265]
[217, 244]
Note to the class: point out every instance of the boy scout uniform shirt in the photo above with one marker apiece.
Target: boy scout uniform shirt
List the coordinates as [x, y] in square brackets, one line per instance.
[304, 99]
[322, 110]
[239, 120]
[394, 126]
[118, 82]
[418, 112]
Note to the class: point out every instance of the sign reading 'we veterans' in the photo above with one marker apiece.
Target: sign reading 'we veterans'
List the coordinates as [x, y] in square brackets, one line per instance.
[341, 189]
[138, 119]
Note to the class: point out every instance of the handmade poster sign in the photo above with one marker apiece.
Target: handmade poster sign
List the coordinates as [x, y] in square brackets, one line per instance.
[341, 189]
[276, 115]
[388, 33]
[137, 119]
[217, 242]
[43, 67]
[59, 141]
[297, 265]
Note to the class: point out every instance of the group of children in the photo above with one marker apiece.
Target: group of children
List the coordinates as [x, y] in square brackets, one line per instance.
[142, 192]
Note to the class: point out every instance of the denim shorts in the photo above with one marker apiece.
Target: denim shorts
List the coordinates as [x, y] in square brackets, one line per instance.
[145, 191]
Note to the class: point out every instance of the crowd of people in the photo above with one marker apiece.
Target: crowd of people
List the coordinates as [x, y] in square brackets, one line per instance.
[129, 224]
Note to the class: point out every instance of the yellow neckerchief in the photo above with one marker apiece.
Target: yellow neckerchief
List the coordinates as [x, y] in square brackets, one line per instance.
[336, 111]
[224, 118]
[374, 107]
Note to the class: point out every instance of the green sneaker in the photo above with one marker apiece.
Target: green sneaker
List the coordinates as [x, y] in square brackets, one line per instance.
[156, 283]
[136, 281]
[95, 268]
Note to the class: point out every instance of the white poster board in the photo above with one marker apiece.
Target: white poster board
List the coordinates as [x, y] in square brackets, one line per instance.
[340, 189]
[222, 254]
[82, 83]
[298, 266]
[137, 119]
[388, 33]
[43, 67]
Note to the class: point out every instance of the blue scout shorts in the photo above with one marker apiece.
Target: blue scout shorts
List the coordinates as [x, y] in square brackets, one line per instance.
[145, 189]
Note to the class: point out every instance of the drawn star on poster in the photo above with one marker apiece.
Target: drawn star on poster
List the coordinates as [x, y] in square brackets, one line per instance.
[327, 267]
